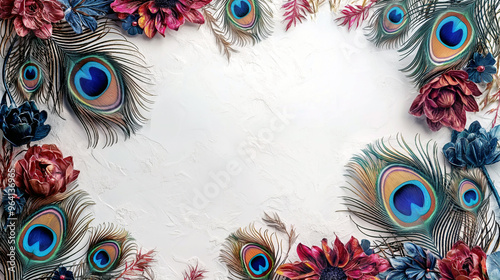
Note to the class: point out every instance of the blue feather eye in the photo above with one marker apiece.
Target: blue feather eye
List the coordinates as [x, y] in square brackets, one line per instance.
[452, 32]
[257, 262]
[242, 13]
[104, 257]
[451, 36]
[94, 83]
[395, 15]
[240, 8]
[469, 194]
[30, 77]
[407, 196]
[41, 237]
[92, 80]
[394, 19]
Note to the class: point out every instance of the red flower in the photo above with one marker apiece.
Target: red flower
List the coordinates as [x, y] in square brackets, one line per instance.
[445, 99]
[157, 15]
[44, 171]
[32, 15]
[339, 262]
[461, 263]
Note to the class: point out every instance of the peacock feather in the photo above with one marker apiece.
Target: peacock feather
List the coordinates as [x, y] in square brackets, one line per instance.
[239, 22]
[251, 253]
[404, 195]
[390, 23]
[49, 233]
[449, 35]
[108, 251]
[100, 78]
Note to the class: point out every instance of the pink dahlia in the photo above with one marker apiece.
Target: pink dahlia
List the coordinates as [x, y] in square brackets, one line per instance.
[446, 99]
[32, 15]
[157, 15]
[339, 262]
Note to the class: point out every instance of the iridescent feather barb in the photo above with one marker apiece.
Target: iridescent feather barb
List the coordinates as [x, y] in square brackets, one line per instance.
[449, 35]
[100, 78]
[401, 195]
[256, 254]
[238, 22]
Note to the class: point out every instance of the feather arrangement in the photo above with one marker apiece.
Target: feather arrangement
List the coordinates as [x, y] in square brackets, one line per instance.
[426, 223]
[251, 253]
[45, 221]
[99, 78]
[401, 194]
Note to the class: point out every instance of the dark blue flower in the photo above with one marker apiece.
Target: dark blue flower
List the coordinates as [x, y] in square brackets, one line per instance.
[493, 265]
[473, 147]
[365, 244]
[131, 25]
[481, 68]
[63, 274]
[23, 124]
[80, 13]
[416, 265]
[13, 200]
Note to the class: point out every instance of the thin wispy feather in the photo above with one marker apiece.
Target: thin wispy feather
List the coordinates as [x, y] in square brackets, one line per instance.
[140, 267]
[194, 273]
[354, 15]
[296, 11]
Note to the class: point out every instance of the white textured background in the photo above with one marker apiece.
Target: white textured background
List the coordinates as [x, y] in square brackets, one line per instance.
[340, 91]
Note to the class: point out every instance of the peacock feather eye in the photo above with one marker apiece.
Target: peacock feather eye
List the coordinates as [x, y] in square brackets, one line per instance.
[242, 13]
[451, 36]
[408, 198]
[30, 77]
[104, 256]
[42, 235]
[257, 262]
[94, 84]
[469, 195]
[394, 18]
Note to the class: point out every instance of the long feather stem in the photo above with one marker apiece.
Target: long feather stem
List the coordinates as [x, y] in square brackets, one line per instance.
[492, 186]
[7, 91]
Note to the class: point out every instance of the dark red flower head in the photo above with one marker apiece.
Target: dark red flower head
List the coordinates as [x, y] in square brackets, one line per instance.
[341, 262]
[445, 99]
[34, 16]
[44, 171]
[461, 263]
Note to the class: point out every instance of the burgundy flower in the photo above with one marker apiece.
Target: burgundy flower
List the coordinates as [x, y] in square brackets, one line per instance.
[32, 15]
[44, 171]
[445, 99]
[157, 15]
[461, 263]
[341, 262]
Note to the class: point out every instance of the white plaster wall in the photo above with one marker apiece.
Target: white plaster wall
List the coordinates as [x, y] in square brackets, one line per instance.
[340, 91]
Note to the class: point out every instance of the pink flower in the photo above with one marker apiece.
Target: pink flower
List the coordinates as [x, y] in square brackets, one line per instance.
[32, 15]
[44, 171]
[445, 99]
[157, 15]
[337, 262]
[463, 263]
